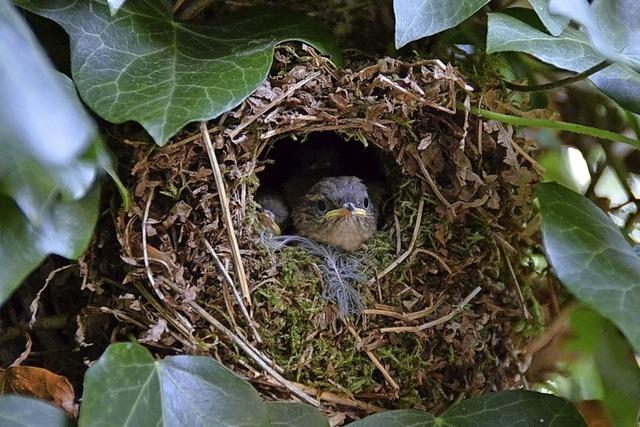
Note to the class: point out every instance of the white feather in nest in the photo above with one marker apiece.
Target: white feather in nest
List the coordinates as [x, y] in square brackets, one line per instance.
[341, 271]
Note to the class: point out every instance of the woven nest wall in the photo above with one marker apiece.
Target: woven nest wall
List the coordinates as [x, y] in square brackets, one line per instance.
[448, 301]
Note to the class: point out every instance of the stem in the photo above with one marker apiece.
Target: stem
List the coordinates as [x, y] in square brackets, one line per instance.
[554, 124]
[559, 83]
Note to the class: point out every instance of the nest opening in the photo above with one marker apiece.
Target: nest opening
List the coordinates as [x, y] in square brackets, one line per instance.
[328, 154]
[321, 149]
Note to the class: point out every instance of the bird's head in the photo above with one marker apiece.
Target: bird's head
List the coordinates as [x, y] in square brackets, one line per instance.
[338, 211]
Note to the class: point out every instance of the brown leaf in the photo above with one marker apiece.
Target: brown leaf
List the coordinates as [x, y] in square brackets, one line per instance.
[39, 383]
[594, 413]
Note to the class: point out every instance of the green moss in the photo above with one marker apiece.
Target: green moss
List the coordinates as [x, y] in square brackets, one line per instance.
[410, 399]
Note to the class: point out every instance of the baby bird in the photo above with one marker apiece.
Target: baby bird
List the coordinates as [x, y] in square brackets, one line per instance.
[336, 210]
[274, 215]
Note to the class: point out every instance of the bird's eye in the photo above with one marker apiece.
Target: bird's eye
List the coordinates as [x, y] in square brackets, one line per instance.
[365, 202]
[321, 205]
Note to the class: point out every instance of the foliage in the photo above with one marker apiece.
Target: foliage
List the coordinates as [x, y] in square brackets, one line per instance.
[572, 51]
[182, 72]
[587, 251]
[604, 358]
[128, 387]
[66, 230]
[18, 411]
[421, 18]
[610, 27]
[51, 158]
[507, 408]
[553, 23]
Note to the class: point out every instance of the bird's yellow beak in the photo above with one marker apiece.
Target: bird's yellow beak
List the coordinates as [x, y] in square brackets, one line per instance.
[270, 224]
[276, 229]
[344, 212]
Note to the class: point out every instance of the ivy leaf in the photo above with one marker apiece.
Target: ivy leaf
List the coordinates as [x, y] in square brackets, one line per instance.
[554, 24]
[48, 196]
[19, 411]
[397, 418]
[285, 414]
[36, 185]
[65, 230]
[35, 105]
[619, 21]
[416, 19]
[615, 377]
[610, 25]
[51, 156]
[127, 386]
[141, 65]
[516, 407]
[502, 409]
[44, 131]
[591, 257]
[570, 51]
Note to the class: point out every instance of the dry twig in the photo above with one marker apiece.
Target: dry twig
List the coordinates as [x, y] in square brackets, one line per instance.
[234, 133]
[226, 214]
[516, 283]
[375, 360]
[327, 396]
[232, 285]
[145, 250]
[436, 257]
[432, 183]
[253, 354]
[409, 250]
[35, 303]
[443, 319]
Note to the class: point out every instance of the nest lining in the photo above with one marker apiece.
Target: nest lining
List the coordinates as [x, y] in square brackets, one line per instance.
[462, 211]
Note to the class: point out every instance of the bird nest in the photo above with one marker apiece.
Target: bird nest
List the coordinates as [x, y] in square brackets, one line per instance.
[447, 302]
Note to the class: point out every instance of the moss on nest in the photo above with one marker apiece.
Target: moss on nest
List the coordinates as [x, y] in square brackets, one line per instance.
[473, 179]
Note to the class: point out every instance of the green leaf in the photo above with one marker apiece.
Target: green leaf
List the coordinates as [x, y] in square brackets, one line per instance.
[397, 418]
[421, 18]
[285, 414]
[620, 378]
[51, 156]
[128, 387]
[65, 230]
[616, 371]
[35, 185]
[554, 24]
[610, 25]
[44, 131]
[141, 65]
[518, 407]
[570, 51]
[34, 105]
[19, 411]
[502, 409]
[591, 257]
[107, 162]
[619, 21]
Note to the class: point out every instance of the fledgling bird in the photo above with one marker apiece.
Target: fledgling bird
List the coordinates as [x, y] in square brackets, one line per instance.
[335, 210]
[274, 215]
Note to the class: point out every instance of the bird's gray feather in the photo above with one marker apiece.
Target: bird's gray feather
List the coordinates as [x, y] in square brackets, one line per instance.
[341, 271]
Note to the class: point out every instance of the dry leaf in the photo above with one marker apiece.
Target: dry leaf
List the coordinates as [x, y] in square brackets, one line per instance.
[39, 383]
